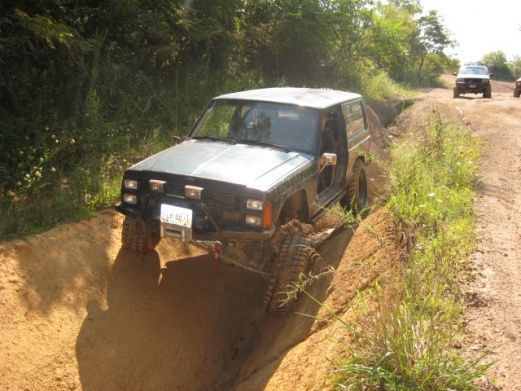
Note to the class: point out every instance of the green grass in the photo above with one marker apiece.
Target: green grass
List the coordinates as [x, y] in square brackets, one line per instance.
[49, 195]
[407, 344]
[380, 86]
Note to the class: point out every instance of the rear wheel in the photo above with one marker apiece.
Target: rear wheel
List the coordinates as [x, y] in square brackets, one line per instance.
[290, 263]
[455, 93]
[357, 196]
[138, 236]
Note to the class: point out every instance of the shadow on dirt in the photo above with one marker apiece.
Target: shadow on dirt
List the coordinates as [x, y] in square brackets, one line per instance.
[467, 97]
[276, 335]
[181, 327]
[500, 193]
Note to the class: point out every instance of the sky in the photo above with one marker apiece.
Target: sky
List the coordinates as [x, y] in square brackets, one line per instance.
[480, 26]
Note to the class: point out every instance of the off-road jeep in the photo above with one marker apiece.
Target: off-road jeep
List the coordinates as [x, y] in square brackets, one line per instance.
[517, 89]
[253, 161]
[473, 79]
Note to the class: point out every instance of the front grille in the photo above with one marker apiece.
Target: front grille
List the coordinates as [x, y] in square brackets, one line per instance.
[474, 81]
[220, 199]
[212, 199]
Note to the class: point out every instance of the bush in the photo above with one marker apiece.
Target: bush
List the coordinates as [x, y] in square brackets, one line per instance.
[379, 86]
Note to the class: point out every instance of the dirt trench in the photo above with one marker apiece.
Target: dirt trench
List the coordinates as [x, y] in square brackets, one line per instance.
[77, 312]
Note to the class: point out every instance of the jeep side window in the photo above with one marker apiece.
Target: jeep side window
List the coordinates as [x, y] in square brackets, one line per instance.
[216, 121]
[289, 126]
[353, 117]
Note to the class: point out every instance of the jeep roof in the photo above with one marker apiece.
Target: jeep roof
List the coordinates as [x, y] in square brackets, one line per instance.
[308, 97]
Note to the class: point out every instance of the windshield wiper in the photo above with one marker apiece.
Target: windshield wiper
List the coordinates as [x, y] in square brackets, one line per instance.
[213, 138]
[264, 144]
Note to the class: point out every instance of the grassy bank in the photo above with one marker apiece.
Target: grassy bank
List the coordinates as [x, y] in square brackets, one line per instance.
[408, 343]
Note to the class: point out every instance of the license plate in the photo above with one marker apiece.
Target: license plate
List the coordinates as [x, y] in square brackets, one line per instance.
[176, 215]
[472, 86]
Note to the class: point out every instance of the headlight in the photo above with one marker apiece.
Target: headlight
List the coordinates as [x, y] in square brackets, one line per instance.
[130, 184]
[486, 81]
[254, 204]
[253, 220]
[130, 199]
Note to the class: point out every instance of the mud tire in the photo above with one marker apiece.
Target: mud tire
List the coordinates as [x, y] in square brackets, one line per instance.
[455, 93]
[516, 94]
[291, 261]
[138, 237]
[487, 93]
[357, 195]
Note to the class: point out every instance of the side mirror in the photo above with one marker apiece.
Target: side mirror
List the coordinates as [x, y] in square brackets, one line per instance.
[491, 74]
[177, 139]
[327, 159]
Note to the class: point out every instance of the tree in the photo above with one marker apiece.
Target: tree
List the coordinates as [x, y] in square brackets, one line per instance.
[515, 66]
[497, 64]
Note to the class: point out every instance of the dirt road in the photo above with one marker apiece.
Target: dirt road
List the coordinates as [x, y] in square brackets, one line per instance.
[493, 297]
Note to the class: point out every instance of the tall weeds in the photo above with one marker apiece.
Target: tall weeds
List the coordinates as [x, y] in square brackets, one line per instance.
[408, 344]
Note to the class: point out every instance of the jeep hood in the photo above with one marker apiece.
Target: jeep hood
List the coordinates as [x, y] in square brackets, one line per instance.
[248, 165]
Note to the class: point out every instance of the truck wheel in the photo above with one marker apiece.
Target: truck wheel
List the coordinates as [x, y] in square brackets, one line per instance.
[516, 94]
[138, 236]
[455, 93]
[487, 93]
[356, 197]
[291, 261]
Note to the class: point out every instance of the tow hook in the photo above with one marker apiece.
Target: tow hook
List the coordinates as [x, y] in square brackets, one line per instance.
[215, 251]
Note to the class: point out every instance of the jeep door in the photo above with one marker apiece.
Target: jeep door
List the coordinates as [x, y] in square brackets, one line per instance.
[332, 141]
[357, 131]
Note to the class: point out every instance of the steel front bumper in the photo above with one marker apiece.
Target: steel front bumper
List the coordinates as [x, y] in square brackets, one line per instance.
[190, 234]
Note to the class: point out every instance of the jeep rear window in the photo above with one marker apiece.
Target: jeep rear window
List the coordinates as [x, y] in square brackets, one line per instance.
[290, 126]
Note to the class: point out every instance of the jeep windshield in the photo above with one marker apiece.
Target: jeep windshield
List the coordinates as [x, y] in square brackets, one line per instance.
[281, 126]
[473, 70]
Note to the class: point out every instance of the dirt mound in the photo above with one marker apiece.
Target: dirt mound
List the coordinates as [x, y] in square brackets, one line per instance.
[380, 139]
[77, 312]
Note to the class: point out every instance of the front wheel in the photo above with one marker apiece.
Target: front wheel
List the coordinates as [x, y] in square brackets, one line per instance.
[357, 195]
[287, 273]
[487, 93]
[138, 236]
[516, 94]
[455, 93]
